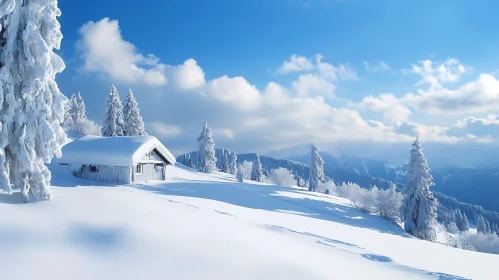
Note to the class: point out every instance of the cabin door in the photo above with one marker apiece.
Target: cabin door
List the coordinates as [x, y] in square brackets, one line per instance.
[159, 171]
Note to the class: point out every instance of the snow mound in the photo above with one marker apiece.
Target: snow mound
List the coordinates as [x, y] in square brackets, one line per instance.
[116, 151]
[207, 226]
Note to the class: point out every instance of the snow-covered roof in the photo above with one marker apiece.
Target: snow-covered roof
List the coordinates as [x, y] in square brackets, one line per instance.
[115, 151]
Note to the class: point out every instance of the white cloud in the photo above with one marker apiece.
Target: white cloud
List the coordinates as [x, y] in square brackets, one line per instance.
[476, 127]
[341, 72]
[431, 133]
[380, 67]
[188, 76]
[313, 85]
[388, 104]
[285, 115]
[437, 73]
[477, 96]
[105, 51]
[325, 70]
[295, 63]
[227, 133]
[165, 130]
[236, 91]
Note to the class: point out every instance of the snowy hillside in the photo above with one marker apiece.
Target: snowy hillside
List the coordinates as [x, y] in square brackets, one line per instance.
[199, 226]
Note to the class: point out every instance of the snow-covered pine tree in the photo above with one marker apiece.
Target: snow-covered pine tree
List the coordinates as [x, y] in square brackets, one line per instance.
[70, 109]
[233, 164]
[224, 166]
[256, 171]
[184, 160]
[31, 105]
[221, 161]
[480, 224]
[79, 109]
[465, 223]
[113, 120]
[207, 159]
[487, 226]
[134, 125]
[316, 170]
[189, 161]
[239, 174]
[458, 219]
[419, 209]
[300, 182]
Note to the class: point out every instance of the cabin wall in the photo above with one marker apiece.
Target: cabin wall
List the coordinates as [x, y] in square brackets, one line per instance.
[149, 172]
[153, 155]
[106, 173]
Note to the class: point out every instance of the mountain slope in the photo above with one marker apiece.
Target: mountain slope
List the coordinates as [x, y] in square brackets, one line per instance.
[198, 226]
[470, 185]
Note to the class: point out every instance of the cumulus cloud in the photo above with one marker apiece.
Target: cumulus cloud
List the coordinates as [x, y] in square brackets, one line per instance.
[388, 104]
[433, 133]
[477, 96]
[437, 73]
[236, 91]
[313, 85]
[296, 63]
[317, 66]
[341, 72]
[245, 117]
[224, 132]
[165, 130]
[380, 67]
[104, 50]
[187, 76]
[476, 127]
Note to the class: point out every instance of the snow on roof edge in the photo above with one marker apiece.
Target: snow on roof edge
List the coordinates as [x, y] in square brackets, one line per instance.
[113, 151]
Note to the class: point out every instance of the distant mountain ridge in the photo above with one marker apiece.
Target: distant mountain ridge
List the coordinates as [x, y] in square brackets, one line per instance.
[478, 186]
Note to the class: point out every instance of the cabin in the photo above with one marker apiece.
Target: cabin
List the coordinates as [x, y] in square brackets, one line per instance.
[125, 159]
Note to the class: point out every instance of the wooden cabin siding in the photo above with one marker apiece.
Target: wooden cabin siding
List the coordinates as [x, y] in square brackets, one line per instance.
[149, 172]
[105, 173]
[153, 155]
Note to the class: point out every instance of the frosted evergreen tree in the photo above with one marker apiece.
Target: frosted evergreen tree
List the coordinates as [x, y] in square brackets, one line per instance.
[233, 164]
[185, 161]
[70, 109]
[481, 226]
[31, 105]
[316, 170]
[79, 111]
[256, 171]
[419, 208]
[465, 223]
[189, 161]
[458, 219]
[113, 120]
[133, 120]
[239, 174]
[224, 164]
[487, 226]
[207, 159]
[461, 220]
[220, 162]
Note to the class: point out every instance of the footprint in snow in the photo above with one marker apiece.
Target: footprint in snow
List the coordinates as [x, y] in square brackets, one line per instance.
[225, 213]
[376, 258]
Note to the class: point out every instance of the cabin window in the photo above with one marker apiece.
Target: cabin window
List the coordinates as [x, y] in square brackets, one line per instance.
[139, 169]
[93, 168]
[158, 165]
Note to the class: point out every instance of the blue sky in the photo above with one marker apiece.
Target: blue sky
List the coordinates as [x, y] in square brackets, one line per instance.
[434, 61]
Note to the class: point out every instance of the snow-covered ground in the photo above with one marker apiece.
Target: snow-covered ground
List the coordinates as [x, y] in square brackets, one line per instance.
[199, 226]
